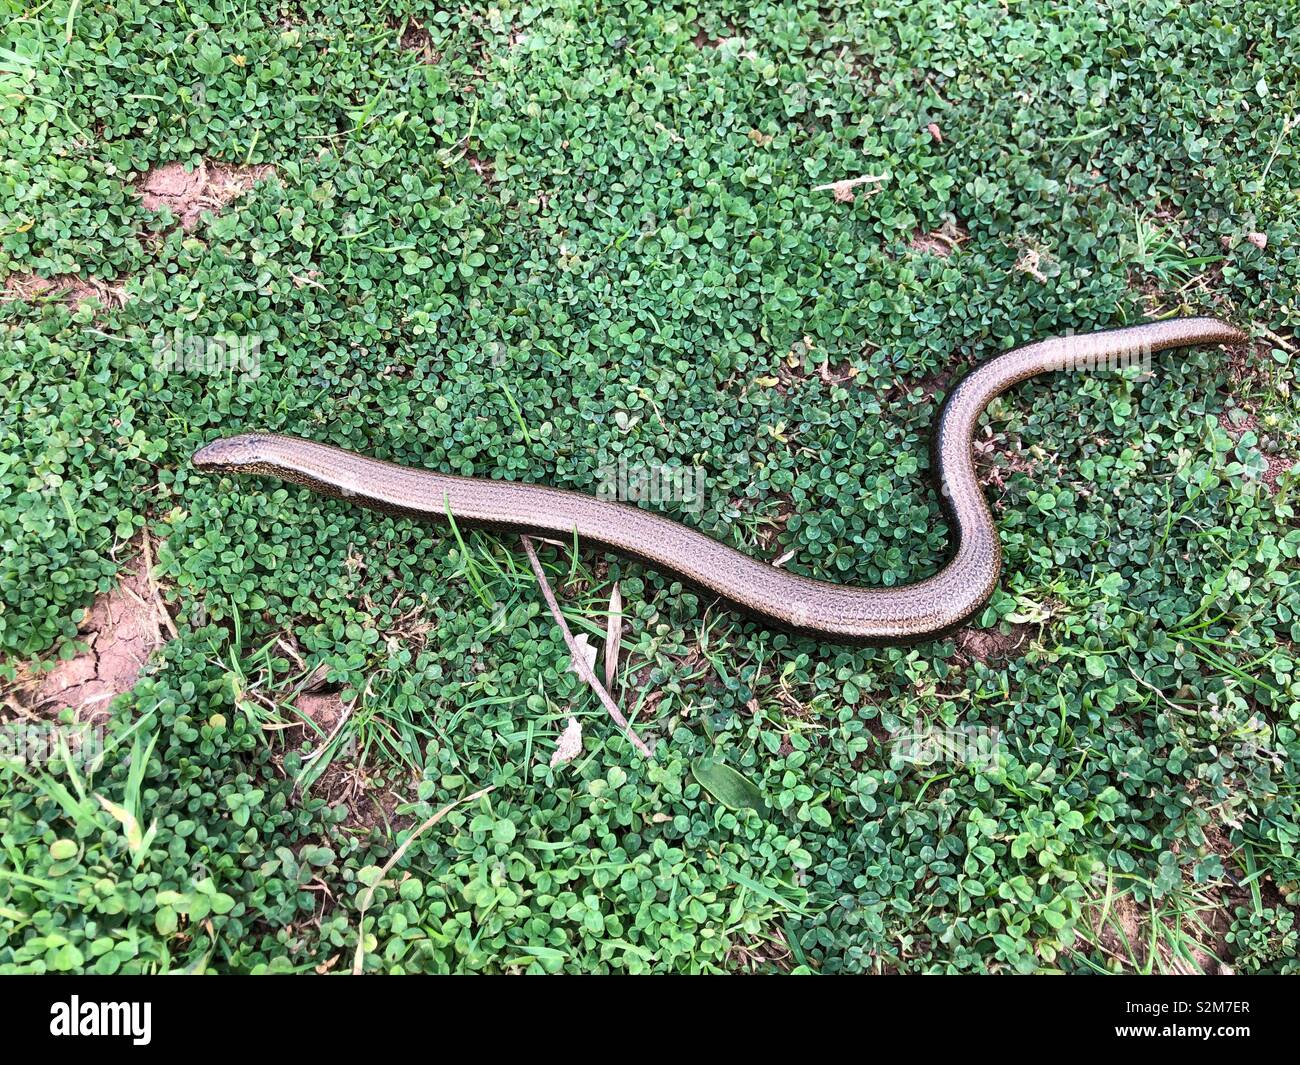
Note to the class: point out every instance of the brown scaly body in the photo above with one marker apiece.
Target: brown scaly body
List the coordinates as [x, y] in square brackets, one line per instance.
[839, 613]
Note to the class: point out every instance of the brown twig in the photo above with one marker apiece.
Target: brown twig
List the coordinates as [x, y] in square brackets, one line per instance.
[154, 590]
[580, 664]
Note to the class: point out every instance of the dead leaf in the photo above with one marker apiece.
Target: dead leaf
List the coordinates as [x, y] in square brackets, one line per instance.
[613, 636]
[1028, 264]
[584, 647]
[569, 745]
[843, 190]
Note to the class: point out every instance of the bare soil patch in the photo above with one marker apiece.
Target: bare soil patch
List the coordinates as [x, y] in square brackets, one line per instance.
[1278, 464]
[68, 288]
[1238, 429]
[930, 386]
[323, 708]
[1121, 931]
[481, 167]
[188, 193]
[941, 242]
[371, 801]
[992, 645]
[415, 38]
[120, 632]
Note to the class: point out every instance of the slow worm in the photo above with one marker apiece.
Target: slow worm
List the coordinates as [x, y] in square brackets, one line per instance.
[903, 613]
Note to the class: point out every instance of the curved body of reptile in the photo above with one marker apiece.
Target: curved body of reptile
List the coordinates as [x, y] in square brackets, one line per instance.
[840, 613]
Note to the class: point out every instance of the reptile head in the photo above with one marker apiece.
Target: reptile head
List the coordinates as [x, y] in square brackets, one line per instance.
[245, 453]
